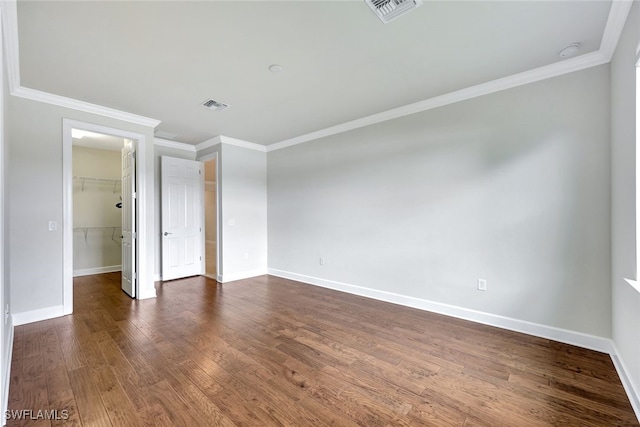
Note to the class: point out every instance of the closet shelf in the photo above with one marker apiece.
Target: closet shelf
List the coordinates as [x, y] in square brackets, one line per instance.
[85, 231]
[90, 179]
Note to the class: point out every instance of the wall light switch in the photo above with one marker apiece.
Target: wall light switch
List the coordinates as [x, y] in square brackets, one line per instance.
[53, 225]
[482, 285]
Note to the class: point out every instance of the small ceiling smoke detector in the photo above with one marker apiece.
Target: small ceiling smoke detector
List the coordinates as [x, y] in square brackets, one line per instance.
[215, 105]
[570, 50]
[275, 68]
[388, 10]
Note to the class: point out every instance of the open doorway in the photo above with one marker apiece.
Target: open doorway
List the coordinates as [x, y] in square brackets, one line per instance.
[104, 206]
[211, 218]
[110, 192]
[97, 203]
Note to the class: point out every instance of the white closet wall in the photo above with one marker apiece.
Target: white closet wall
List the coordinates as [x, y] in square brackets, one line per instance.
[96, 219]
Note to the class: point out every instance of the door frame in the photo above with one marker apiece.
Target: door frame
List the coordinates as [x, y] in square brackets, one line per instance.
[67, 203]
[128, 217]
[205, 158]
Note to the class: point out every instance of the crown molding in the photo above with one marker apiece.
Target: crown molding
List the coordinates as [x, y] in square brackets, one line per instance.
[221, 139]
[74, 104]
[208, 143]
[12, 51]
[174, 144]
[615, 24]
[553, 70]
[241, 143]
[613, 29]
[9, 10]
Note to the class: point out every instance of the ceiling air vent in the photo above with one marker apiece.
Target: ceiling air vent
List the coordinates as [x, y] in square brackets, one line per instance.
[388, 10]
[215, 105]
[166, 135]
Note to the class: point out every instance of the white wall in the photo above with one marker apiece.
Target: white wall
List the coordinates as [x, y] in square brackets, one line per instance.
[35, 175]
[6, 336]
[242, 188]
[94, 205]
[160, 151]
[242, 191]
[625, 299]
[512, 187]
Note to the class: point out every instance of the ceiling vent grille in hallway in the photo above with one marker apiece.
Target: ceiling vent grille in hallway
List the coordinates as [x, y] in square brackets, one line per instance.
[388, 10]
[215, 105]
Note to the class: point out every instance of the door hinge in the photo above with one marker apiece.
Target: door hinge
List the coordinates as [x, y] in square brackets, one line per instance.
[134, 195]
[133, 154]
[134, 276]
[134, 235]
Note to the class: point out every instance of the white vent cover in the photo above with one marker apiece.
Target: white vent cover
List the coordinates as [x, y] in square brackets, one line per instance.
[215, 105]
[166, 135]
[388, 10]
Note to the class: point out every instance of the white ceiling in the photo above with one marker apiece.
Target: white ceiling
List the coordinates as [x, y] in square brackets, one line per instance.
[97, 141]
[162, 59]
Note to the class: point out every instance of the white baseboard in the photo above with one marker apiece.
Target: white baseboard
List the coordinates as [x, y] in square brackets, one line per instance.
[580, 339]
[37, 315]
[549, 332]
[633, 391]
[6, 369]
[225, 278]
[97, 270]
[566, 336]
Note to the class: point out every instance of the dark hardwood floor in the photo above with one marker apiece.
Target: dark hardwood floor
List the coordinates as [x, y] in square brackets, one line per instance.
[269, 351]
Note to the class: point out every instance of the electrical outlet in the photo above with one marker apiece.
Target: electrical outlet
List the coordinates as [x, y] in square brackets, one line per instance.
[321, 261]
[482, 285]
[53, 225]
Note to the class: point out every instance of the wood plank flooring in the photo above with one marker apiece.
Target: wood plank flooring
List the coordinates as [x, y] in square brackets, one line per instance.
[269, 351]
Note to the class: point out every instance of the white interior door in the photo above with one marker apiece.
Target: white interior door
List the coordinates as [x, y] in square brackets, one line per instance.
[129, 219]
[182, 184]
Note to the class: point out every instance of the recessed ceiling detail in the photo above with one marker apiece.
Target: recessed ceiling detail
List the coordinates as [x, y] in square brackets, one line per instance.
[388, 10]
[215, 105]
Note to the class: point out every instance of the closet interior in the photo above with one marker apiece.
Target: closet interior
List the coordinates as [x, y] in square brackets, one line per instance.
[97, 206]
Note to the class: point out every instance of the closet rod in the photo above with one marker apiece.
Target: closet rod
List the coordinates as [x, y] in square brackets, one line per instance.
[85, 230]
[83, 179]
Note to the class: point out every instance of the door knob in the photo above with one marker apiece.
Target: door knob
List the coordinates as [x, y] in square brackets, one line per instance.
[166, 233]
